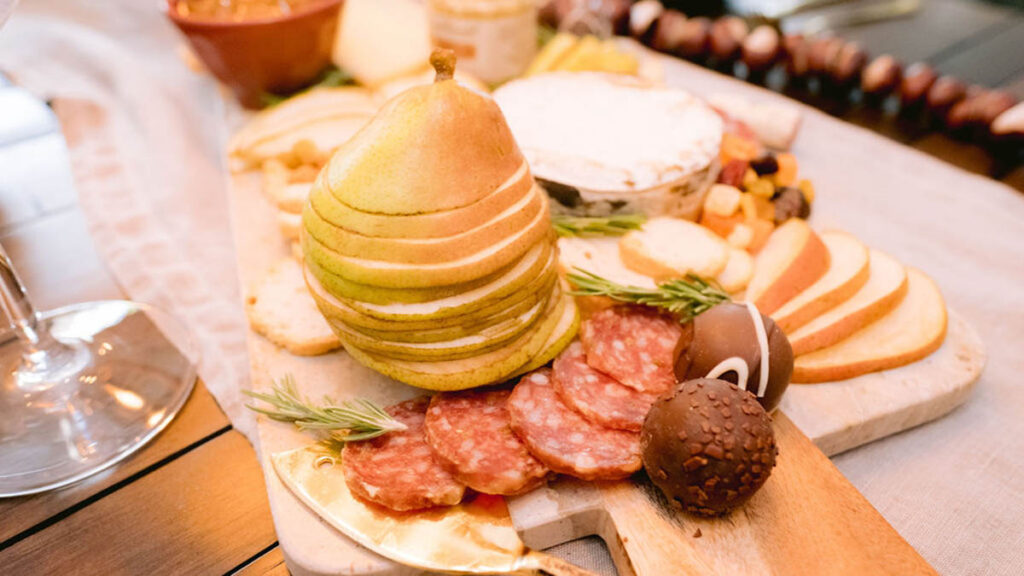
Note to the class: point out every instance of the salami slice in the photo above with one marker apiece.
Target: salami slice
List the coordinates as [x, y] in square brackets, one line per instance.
[566, 441]
[635, 345]
[597, 396]
[399, 470]
[470, 432]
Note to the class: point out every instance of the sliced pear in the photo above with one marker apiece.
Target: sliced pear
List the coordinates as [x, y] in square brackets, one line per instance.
[494, 366]
[499, 323]
[559, 339]
[848, 271]
[670, 248]
[411, 275]
[427, 250]
[275, 131]
[477, 303]
[491, 318]
[433, 148]
[508, 288]
[377, 295]
[885, 289]
[471, 344]
[793, 258]
[428, 224]
[908, 333]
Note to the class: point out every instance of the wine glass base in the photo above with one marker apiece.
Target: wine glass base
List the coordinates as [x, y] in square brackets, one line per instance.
[128, 370]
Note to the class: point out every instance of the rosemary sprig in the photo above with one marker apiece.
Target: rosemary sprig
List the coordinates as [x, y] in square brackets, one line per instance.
[567, 226]
[349, 421]
[686, 297]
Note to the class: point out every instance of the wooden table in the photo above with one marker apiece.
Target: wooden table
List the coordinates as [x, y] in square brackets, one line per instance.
[193, 501]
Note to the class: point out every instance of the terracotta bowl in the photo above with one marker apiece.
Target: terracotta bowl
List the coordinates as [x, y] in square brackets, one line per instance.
[253, 57]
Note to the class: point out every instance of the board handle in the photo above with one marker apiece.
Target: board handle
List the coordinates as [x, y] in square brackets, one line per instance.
[550, 565]
[653, 542]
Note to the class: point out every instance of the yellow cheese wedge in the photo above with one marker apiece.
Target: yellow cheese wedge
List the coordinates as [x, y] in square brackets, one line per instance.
[885, 288]
[911, 331]
[848, 271]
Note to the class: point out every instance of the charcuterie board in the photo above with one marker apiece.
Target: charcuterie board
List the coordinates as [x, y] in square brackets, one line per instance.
[769, 535]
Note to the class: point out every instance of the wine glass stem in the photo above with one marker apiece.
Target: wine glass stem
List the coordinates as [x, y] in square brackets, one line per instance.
[19, 310]
[45, 361]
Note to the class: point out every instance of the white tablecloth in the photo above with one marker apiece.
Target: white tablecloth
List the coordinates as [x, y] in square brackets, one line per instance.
[153, 191]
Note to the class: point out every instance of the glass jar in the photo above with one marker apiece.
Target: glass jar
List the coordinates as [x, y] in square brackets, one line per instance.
[494, 40]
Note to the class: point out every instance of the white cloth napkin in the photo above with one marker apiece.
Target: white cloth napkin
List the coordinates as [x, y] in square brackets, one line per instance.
[147, 144]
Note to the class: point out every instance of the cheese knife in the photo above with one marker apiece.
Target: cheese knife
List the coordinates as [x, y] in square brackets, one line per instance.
[475, 537]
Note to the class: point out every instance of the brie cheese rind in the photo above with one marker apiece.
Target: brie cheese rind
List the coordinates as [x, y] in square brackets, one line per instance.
[610, 144]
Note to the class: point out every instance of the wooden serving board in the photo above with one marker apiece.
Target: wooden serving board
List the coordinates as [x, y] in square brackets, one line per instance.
[807, 518]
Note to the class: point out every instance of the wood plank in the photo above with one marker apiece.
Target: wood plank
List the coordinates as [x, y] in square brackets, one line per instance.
[993, 61]
[204, 513]
[937, 26]
[200, 418]
[269, 564]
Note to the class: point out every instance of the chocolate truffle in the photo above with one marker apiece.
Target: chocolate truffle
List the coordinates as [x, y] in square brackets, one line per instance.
[709, 448]
[726, 335]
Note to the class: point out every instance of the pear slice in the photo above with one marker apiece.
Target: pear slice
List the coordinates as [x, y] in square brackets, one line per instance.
[848, 271]
[431, 148]
[379, 295]
[430, 224]
[792, 260]
[558, 341]
[908, 333]
[327, 117]
[494, 366]
[427, 250]
[410, 275]
[885, 289]
[495, 318]
[518, 283]
[465, 346]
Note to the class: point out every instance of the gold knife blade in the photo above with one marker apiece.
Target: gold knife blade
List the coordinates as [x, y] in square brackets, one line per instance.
[474, 537]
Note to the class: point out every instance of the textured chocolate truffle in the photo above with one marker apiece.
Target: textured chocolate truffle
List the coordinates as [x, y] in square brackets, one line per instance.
[709, 448]
[728, 330]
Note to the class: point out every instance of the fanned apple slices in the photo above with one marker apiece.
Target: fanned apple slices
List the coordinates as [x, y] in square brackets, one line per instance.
[428, 247]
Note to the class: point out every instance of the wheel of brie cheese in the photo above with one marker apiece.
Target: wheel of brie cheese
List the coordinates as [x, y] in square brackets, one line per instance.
[604, 144]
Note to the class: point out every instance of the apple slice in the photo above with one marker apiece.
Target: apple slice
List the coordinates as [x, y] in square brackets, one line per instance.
[908, 333]
[791, 261]
[670, 248]
[885, 288]
[847, 273]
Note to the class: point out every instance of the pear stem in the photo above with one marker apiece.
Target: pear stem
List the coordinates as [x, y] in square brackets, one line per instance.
[443, 61]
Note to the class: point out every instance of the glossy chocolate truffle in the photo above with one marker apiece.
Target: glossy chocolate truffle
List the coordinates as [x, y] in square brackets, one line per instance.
[709, 448]
[728, 331]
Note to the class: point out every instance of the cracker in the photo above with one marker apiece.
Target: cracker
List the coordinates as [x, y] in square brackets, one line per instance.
[281, 309]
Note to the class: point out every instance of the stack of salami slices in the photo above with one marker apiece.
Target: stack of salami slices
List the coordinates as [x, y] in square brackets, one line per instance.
[582, 418]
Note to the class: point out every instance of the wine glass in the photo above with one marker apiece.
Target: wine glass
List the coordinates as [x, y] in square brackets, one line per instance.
[84, 386]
